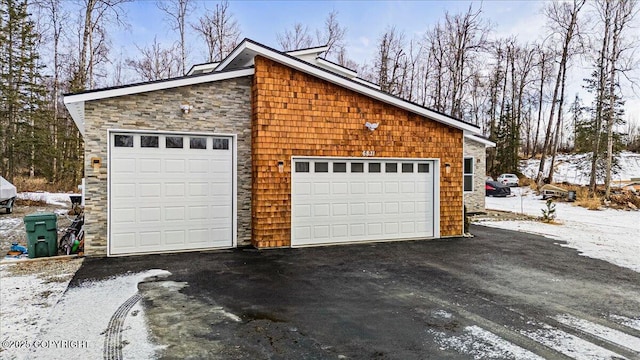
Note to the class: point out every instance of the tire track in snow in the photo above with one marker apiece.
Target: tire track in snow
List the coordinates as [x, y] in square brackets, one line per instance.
[113, 336]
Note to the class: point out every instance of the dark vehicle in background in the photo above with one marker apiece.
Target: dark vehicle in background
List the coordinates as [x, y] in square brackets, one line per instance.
[496, 189]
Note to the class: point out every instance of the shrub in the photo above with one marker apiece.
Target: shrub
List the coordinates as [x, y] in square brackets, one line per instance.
[549, 214]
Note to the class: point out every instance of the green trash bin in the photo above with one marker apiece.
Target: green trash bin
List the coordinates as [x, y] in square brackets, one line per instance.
[42, 234]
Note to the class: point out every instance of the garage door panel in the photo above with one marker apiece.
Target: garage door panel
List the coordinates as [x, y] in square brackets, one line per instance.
[124, 216]
[149, 214]
[374, 229]
[359, 204]
[124, 166]
[149, 190]
[150, 166]
[374, 208]
[303, 188]
[321, 188]
[174, 237]
[340, 209]
[198, 189]
[321, 210]
[170, 199]
[124, 191]
[340, 231]
[174, 166]
[174, 189]
[391, 187]
[174, 213]
[150, 239]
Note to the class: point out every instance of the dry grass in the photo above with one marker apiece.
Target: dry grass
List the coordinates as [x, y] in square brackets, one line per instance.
[27, 184]
[31, 202]
[591, 202]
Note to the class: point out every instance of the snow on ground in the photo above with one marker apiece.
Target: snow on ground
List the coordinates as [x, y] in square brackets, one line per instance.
[568, 344]
[482, 344]
[84, 313]
[609, 235]
[60, 199]
[28, 293]
[575, 168]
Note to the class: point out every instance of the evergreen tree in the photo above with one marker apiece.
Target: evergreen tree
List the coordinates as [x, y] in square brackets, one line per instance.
[21, 83]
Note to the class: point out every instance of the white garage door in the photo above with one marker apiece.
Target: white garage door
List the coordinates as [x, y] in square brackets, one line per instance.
[170, 192]
[351, 200]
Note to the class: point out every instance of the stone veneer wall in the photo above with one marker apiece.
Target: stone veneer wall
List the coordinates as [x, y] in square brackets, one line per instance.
[474, 201]
[221, 107]
[296, 114]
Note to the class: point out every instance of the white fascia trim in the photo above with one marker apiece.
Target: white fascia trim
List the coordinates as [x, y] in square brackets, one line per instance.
[160, 85]
[337, 68]
[487, 143]
[349, 84]
[208, 66]
[314, 50]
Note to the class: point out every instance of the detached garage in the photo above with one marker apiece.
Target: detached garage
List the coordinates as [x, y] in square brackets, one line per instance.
[268, 149]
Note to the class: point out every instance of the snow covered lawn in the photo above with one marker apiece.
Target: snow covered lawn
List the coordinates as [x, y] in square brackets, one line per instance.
[610, 235]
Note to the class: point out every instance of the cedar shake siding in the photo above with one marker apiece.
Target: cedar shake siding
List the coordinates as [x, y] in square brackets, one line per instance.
[296, 114]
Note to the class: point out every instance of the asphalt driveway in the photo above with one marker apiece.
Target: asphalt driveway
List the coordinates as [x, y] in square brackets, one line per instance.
[501, 294]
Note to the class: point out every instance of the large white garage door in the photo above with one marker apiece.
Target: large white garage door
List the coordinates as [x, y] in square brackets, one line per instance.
[351, 200]
[170, 192]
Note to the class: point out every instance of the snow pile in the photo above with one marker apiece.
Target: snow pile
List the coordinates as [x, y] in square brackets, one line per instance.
[576, 168]
[610, 235]
[60, 199]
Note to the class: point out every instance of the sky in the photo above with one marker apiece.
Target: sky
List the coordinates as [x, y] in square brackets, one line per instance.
[365, 22]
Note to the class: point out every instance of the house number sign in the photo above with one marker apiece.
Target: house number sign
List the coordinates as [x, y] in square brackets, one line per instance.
[368, 153]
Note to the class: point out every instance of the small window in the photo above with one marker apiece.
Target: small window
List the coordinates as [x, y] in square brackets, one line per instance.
[321, 167]
[123, 140]
[391, 167]
[374, 167]
[339, 167]
[220, 144]
[302, 166]
[423, 168]
[407, 167]
[357, 167]
[148, 141]
[468, 174]
[173, 142]
[197, 143]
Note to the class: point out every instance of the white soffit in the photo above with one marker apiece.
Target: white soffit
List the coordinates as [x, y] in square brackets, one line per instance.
[486, 142]
[75, 102]
[249, 48]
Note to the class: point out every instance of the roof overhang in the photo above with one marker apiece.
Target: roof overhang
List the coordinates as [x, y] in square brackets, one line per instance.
[480, 139]
[244, 53]
[75, 102]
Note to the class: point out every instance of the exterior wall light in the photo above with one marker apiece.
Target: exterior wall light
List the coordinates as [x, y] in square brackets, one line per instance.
[186, 108]
[371, 126]
[447, 168]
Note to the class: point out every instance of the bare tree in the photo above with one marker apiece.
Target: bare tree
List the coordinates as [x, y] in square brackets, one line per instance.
[220, 31]
[391, 61]
[563, 17]
[156, 62]
[333, 36]
[296, 38]
[623, 13]
[96, 14]
[176, 12]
